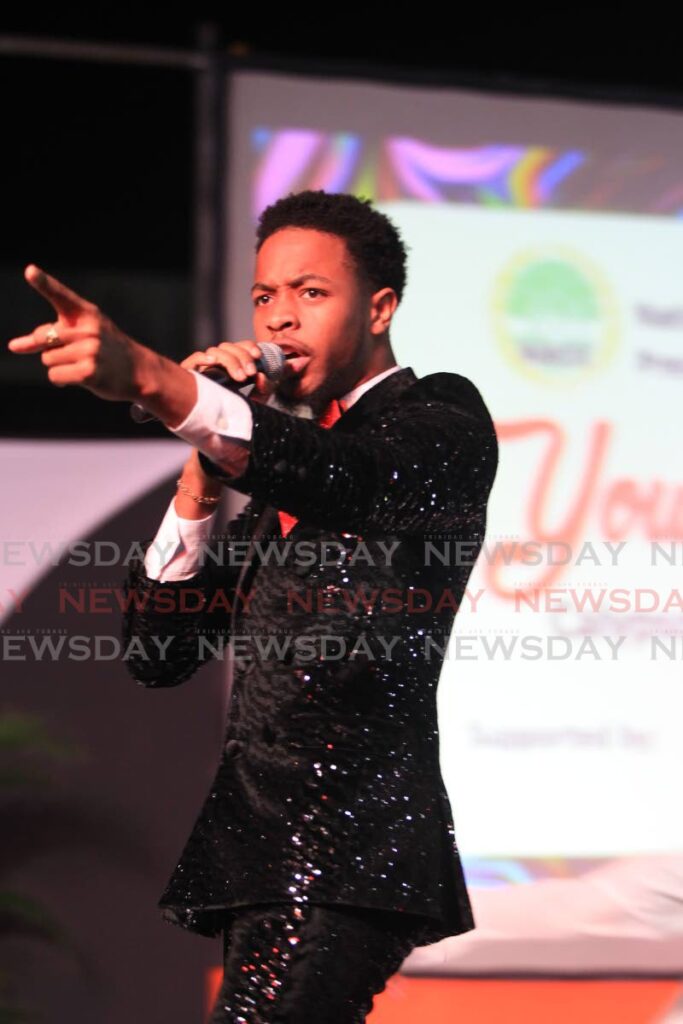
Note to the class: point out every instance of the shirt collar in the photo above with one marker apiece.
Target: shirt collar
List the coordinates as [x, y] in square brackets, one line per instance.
[352, 396]
[355, 393]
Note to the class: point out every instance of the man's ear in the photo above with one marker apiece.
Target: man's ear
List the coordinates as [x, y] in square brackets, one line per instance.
[382, 308]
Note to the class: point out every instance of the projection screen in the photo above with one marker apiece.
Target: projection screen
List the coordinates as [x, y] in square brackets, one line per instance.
[545, 250]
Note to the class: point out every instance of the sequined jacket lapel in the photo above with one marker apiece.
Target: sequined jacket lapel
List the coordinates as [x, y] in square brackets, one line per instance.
[264, 517]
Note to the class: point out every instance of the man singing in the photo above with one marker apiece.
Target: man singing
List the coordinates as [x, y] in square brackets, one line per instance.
[325, 850]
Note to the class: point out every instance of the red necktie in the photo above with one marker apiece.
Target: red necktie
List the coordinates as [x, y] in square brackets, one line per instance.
[327, 418]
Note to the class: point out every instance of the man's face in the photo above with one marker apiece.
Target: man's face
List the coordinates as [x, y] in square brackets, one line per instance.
[308, 299]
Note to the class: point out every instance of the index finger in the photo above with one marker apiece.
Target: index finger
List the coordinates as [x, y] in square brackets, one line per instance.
[62, 299]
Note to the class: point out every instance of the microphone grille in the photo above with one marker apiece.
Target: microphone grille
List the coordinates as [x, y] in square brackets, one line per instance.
[272, 360]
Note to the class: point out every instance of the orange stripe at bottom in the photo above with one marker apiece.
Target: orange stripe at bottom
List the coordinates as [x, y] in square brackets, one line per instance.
[406, 1000]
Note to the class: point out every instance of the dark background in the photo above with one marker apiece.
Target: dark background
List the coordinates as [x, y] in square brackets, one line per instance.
[98, 158]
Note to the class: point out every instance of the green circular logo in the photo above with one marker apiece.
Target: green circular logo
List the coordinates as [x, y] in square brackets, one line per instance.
[555, 316]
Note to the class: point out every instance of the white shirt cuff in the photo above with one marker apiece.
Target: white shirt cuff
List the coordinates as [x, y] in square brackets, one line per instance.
[217, 414]
[174, 554]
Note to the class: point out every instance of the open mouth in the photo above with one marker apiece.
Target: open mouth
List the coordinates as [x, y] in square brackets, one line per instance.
[296, 359]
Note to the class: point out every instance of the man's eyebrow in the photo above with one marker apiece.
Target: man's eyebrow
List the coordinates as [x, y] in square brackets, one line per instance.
[296, 283]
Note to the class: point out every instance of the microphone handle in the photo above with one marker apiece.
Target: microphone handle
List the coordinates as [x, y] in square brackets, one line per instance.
[217, 373]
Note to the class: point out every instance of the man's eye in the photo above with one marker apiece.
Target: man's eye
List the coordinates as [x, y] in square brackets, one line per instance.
[258, 300]
[314, 292]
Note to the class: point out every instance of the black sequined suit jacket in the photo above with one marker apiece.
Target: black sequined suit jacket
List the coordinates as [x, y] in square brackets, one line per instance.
[329, 786]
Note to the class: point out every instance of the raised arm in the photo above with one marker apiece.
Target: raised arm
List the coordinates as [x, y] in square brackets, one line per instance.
[431, 458]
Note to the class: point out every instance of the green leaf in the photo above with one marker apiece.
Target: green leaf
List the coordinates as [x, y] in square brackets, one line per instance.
[22, 733]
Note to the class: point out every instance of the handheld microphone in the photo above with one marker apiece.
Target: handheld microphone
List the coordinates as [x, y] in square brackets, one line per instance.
[271, 362]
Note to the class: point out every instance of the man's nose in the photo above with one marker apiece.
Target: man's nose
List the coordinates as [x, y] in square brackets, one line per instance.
[282, 316]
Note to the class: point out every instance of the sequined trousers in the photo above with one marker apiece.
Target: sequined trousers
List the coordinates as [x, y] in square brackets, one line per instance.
[286, 964]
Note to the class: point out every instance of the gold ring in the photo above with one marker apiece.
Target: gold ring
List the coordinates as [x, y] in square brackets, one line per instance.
[52, 337]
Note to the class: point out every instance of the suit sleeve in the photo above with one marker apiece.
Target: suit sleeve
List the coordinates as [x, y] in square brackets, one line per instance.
[171, 628]
[416, 468]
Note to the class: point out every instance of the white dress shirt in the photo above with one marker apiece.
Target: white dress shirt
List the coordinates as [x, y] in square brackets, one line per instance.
[217, 414]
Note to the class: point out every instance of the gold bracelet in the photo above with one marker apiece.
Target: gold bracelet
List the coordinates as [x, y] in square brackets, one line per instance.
[196, 497]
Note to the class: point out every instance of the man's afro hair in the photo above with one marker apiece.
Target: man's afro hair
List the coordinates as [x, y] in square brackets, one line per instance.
[371, 239]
